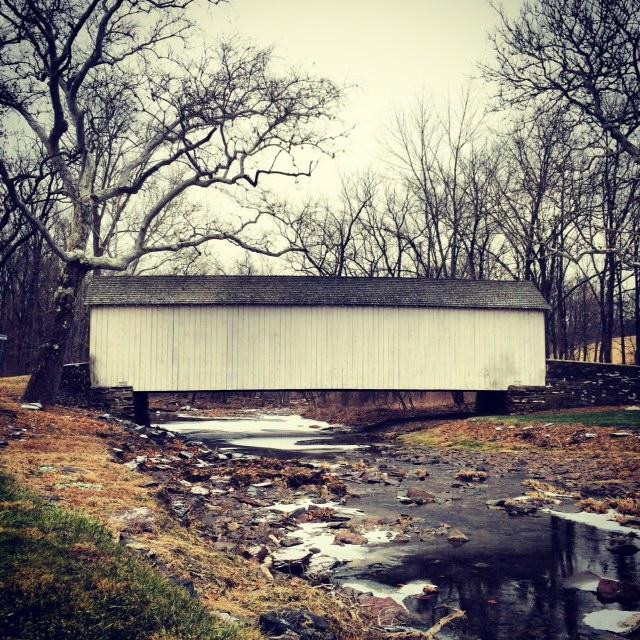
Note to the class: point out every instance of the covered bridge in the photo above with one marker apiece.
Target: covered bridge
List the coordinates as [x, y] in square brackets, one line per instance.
[167, 333]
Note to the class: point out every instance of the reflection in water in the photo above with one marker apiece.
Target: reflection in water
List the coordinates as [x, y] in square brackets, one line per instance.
[518, 597]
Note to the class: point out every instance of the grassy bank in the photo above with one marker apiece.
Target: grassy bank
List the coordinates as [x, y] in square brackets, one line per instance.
[62, 576]
[598, 418]
[504, 433]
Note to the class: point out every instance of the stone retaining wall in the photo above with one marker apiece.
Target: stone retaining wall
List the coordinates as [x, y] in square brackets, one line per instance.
[578, 384]
[75, 385]
[76, 391]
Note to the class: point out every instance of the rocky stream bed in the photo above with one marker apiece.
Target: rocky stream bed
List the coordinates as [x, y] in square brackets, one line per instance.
[413, 535]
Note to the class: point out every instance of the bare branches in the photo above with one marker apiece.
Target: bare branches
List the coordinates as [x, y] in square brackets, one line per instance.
[35, 216]
[431, 633]
[536, 202]
[120, 117]
[580, 54]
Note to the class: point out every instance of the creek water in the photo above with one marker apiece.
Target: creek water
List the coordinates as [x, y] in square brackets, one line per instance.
[518, 578]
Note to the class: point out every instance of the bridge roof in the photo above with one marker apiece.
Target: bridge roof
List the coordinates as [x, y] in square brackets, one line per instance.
[313, 291]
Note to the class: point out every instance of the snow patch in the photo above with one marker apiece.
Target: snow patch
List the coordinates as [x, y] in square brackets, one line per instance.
[317, 535]
[306, 503]
[290, 443]
[583, 581]
[613, 620]
[379, 590]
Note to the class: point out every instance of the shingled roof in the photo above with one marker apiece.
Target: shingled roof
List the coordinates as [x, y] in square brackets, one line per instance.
[313, 291]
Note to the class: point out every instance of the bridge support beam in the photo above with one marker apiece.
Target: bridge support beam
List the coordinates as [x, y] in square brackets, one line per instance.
[491, 402]
[141, 408]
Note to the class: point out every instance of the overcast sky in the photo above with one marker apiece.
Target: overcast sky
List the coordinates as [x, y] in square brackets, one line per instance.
[391, 50]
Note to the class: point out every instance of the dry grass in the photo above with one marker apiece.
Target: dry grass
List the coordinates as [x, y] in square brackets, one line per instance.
[593, 505]
[520, 434]
[471, 475]
[616, 350]
[549, 490]
[629, 506]
[13, 387]
[461, 434]
[599, 462]
[65, 453]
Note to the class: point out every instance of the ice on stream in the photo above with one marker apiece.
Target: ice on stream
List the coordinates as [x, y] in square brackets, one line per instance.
[583, 581]
[291, 443]
[265, 431]
[613, 620]
[318, 537]
[305, 503]
[603, 521]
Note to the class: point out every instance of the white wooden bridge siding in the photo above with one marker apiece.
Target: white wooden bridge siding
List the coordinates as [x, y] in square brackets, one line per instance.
[162, 348]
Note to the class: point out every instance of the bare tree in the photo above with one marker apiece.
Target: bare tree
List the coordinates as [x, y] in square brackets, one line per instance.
[444, 164]
[612, 223]
[430, 218]
[118, 115]
[39, 192]
[363, 232]
[581, 55]
[635, 232]
[325, 237]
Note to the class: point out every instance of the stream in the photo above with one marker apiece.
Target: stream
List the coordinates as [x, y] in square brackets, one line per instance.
[524, 577]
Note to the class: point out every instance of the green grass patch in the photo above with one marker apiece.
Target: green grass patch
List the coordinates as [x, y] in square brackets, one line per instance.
[63, 577]
[427, 439]
[626, 419]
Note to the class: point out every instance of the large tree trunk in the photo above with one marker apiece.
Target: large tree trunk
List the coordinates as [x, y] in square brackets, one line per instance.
[45, 379]
[623, 346]
[636, 311]
[608, 309]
